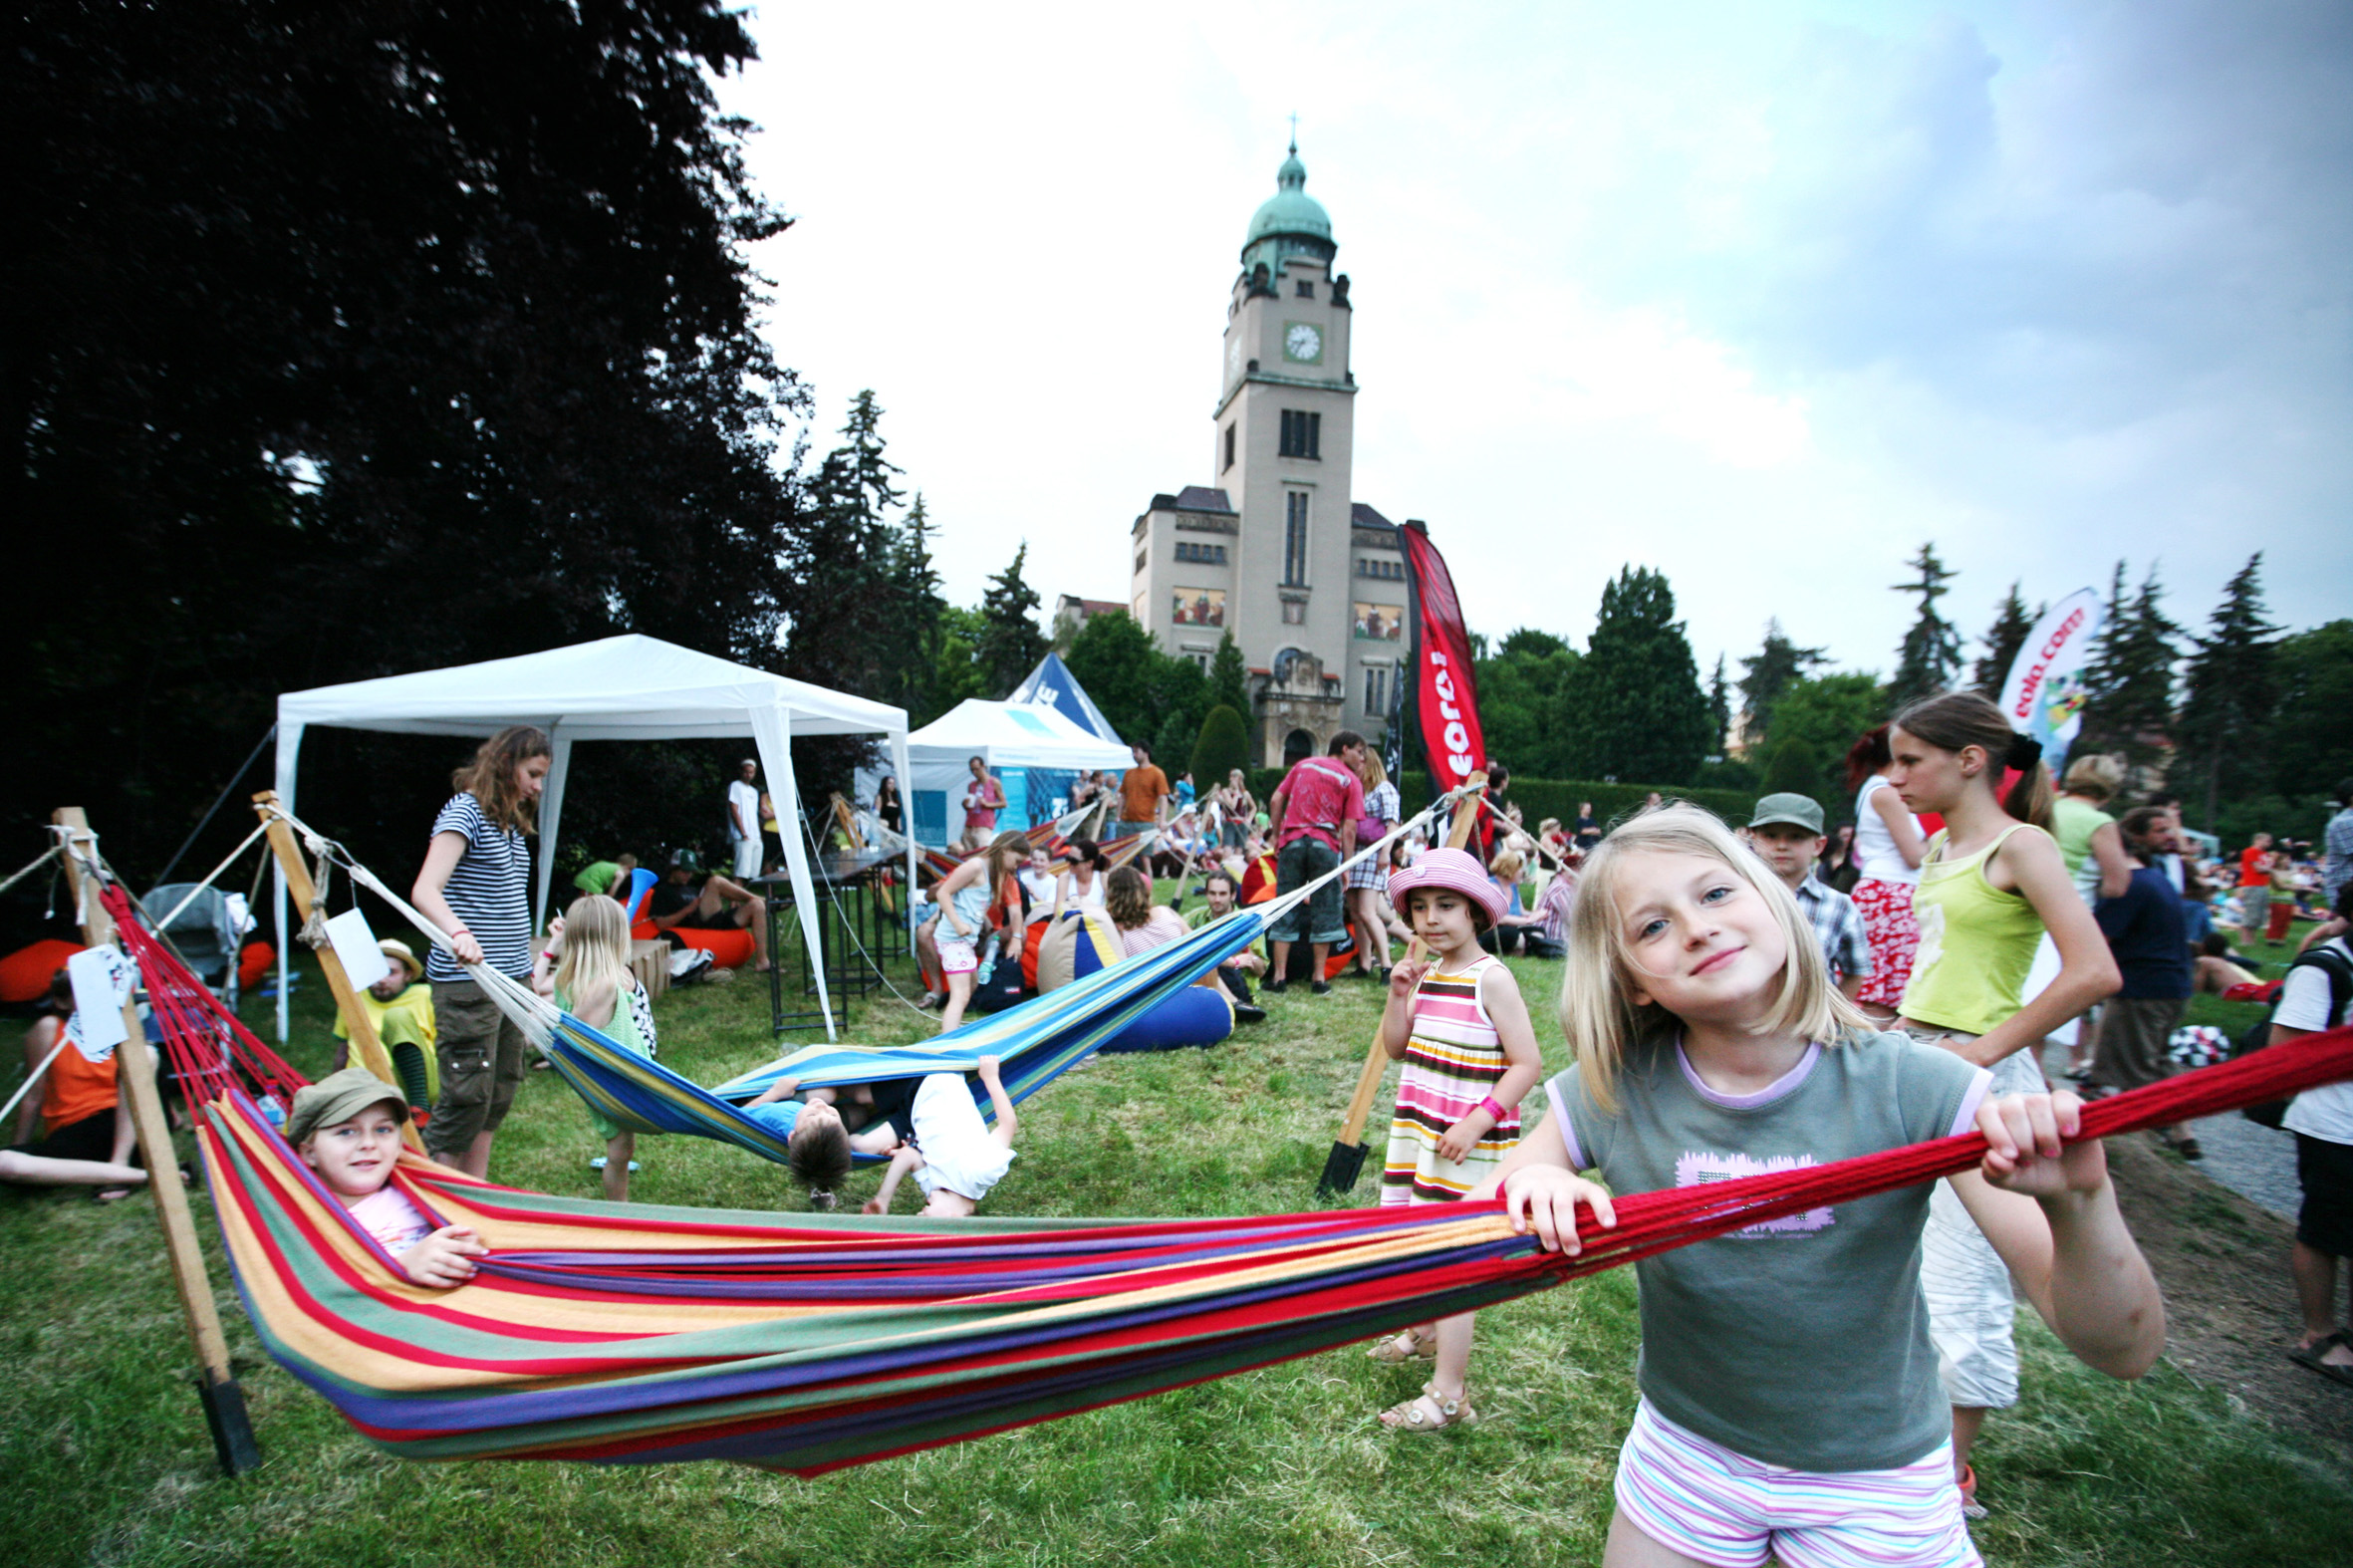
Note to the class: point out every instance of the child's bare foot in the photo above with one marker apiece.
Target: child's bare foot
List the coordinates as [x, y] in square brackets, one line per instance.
[1430, 1410]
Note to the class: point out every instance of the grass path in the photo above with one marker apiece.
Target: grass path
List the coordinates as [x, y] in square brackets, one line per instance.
[107, 1460]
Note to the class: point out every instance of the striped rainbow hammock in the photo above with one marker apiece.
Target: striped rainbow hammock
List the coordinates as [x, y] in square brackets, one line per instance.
[634, 1333]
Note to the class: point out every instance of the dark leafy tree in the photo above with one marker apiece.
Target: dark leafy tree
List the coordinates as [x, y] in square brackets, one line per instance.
[1766, 675]
[1720, 702]
[1230, 679]
[2131, 707]
[1222, 745]
[2011, 622]
[1639, 713]
[1524, 701]
[1011, 642]
[355, 339]
[1824, 713]
[2230, 695]
[2311, 747]
[1141, 689]
[1929, 657]
[1791, 765]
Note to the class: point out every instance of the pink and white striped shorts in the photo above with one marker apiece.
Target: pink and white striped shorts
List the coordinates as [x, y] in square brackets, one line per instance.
[1703, 1499]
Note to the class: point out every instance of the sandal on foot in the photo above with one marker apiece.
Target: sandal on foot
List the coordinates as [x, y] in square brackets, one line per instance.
[2309, 1355]
[1411, 1344]
[1414, 1415]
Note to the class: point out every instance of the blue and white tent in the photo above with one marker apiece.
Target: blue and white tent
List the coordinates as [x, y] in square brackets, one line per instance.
[1052, 685]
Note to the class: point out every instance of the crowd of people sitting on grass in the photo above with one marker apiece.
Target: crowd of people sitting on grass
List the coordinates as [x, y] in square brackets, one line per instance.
[1787, 991]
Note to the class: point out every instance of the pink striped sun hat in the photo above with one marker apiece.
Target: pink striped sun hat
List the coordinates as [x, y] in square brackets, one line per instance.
[1457, 871]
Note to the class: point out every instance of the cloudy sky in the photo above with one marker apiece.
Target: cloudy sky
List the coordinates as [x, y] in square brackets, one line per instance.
[1760, 295]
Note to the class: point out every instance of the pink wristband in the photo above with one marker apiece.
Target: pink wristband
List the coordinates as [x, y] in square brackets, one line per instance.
[1494, 1110]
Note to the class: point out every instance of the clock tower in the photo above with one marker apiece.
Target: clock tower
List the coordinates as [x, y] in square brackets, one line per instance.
[1273, 549]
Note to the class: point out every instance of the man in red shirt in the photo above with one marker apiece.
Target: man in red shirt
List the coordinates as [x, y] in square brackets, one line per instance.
[2255, 885]
[1315, 809]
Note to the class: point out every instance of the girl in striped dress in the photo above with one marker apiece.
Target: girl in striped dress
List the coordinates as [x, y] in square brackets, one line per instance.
[1458, 1022]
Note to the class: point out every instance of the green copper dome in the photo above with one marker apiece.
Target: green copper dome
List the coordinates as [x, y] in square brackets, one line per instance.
[1291, 215]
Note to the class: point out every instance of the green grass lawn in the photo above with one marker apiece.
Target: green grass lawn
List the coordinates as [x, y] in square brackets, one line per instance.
[107, 1461]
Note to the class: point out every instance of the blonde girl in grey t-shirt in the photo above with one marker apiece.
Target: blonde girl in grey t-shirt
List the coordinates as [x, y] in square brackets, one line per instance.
[1789, 1392]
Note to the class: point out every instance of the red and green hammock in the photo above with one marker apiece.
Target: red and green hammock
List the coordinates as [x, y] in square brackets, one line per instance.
[632, 1334]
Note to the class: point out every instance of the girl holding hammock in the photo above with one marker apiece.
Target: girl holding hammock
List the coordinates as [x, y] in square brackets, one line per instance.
[1789, 1398]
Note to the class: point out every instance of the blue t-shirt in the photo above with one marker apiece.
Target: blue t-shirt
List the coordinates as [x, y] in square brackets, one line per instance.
[777, 1116]
[2148, 937]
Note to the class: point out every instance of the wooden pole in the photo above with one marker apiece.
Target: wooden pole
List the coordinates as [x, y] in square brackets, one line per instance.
[135, 1077]
[1347, 1159]
[367, 1047]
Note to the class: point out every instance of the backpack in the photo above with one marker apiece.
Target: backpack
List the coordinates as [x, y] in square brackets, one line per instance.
[2340, 991]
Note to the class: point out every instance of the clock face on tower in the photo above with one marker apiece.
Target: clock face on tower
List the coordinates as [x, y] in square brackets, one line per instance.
[1303, 342]
[1233, 357]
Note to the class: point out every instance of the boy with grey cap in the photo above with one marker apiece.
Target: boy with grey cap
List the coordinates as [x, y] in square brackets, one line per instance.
[1786, 833]
[347, 1128]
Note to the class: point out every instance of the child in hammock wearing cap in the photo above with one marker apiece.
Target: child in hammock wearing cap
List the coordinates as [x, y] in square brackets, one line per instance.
[929, 1125]
[347, 1128]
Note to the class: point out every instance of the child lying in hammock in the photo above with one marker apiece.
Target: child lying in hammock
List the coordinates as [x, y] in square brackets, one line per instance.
[932, 1118]
[347, 1127]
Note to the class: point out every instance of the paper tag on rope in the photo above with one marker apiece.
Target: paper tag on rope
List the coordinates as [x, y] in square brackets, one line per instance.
[103, 981]
[363, 962]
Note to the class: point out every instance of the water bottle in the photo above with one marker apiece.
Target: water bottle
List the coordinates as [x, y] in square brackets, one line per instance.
[988, 966]
[273, 1110]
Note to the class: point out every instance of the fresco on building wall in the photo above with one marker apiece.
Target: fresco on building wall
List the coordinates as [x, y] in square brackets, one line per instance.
[1200, 606]
[1381, 623]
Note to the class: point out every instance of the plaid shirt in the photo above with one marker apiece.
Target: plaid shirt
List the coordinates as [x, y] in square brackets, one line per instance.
[1838, 926]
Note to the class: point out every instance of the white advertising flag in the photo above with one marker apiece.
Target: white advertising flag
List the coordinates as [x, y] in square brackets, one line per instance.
[2045, 693]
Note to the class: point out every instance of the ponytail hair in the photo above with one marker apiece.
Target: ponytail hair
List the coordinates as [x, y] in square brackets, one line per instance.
[1953, 720]
[1867, 756]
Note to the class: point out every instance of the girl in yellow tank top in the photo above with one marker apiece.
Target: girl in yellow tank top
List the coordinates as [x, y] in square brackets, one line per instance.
[1990, 883]
[1993, 881]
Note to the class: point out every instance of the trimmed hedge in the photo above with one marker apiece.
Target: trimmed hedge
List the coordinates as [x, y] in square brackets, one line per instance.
[1542, 798]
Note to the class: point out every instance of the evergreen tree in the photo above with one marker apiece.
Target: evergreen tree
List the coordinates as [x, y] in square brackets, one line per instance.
[2011, 622]
[1719, 705]
[1637, 710]
[1929, 657]
[1011, 642]
[916, 665]
[1764, 677]
[2131, 707]
[2228, 708]
[1229, 681]
[1222, 745]
[848, 630]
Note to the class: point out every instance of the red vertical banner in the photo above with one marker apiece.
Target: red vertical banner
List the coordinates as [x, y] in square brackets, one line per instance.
[1444, 692]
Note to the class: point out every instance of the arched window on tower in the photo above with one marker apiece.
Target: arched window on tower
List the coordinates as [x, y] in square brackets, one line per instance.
[1298, 746]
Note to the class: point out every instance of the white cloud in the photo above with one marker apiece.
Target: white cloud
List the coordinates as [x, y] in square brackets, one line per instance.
[1760, 295]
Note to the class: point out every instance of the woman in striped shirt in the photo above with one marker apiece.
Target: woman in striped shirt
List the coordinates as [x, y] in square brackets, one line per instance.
[476, 885]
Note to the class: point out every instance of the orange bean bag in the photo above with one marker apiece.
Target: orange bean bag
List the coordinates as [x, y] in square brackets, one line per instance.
[730, 949]
[254, 961]
[25, 974]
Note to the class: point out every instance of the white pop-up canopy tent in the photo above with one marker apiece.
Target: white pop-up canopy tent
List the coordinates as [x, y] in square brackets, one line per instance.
[1012, 738]
[615, 689]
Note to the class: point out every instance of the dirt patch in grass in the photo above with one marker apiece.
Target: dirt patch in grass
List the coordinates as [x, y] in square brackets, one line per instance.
[2231, 1311]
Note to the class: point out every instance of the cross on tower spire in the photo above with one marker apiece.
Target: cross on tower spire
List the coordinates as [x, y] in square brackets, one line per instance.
[1294, 130]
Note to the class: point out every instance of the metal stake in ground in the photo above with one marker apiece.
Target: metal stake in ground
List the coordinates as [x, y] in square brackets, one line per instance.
[134, 1076]
[1347, 1160]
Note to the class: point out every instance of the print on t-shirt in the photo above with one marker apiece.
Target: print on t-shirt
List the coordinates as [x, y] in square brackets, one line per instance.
[1694, 1168]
